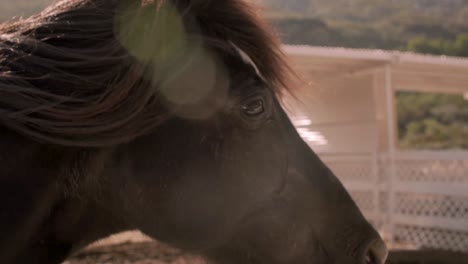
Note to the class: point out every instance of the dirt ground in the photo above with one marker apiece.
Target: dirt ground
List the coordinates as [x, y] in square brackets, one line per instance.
[134, 248]
[131, 248]
[133, 253]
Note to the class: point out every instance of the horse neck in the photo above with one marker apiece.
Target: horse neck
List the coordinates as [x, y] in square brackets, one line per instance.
[45, 214]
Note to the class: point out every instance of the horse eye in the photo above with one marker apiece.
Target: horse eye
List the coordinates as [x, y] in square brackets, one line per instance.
[254, 108]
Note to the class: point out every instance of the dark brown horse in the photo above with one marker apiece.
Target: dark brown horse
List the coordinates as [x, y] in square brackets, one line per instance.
[162, 116]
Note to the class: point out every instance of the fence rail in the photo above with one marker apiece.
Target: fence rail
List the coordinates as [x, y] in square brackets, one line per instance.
[427, 204]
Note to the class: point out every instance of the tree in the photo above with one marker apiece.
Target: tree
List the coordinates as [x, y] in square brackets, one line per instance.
[457, 47]
[424, 45]
[432, 121]
[461, 45]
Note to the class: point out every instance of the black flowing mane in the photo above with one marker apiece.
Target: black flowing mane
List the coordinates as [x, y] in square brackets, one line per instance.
[68, 76]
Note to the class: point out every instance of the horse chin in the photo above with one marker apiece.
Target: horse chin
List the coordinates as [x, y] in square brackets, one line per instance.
[310, 253]
[250, 258]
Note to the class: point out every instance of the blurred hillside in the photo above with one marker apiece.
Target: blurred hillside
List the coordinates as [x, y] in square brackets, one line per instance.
[386, 24]
[20, 8]
[369, 11]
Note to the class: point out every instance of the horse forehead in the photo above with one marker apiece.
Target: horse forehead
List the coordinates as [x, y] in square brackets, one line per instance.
[248, 60]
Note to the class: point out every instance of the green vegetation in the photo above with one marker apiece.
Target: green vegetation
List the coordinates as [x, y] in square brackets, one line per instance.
[432, 121]
[457, 47]
[385, 24]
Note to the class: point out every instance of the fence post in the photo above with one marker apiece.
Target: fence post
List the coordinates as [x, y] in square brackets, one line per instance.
[391, 153]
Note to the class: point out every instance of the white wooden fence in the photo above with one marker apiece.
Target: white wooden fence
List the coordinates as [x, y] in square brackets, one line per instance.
[416, 200]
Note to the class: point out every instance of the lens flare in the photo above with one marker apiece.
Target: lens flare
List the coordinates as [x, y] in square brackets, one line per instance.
[199, 89]
[153, 34]
[184, 72]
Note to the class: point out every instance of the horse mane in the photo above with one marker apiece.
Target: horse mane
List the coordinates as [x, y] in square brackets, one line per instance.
[66, 77]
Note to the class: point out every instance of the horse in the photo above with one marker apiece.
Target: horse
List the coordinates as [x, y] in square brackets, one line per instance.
[165, 117]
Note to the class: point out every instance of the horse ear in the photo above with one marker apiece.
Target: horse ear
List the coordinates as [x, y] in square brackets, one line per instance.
[247, 59]
[240, 22]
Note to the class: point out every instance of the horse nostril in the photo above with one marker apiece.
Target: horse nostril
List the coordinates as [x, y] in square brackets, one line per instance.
[376, 253]
[370, 258]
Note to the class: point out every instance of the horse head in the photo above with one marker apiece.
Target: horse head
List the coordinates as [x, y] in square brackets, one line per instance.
[171, 114]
